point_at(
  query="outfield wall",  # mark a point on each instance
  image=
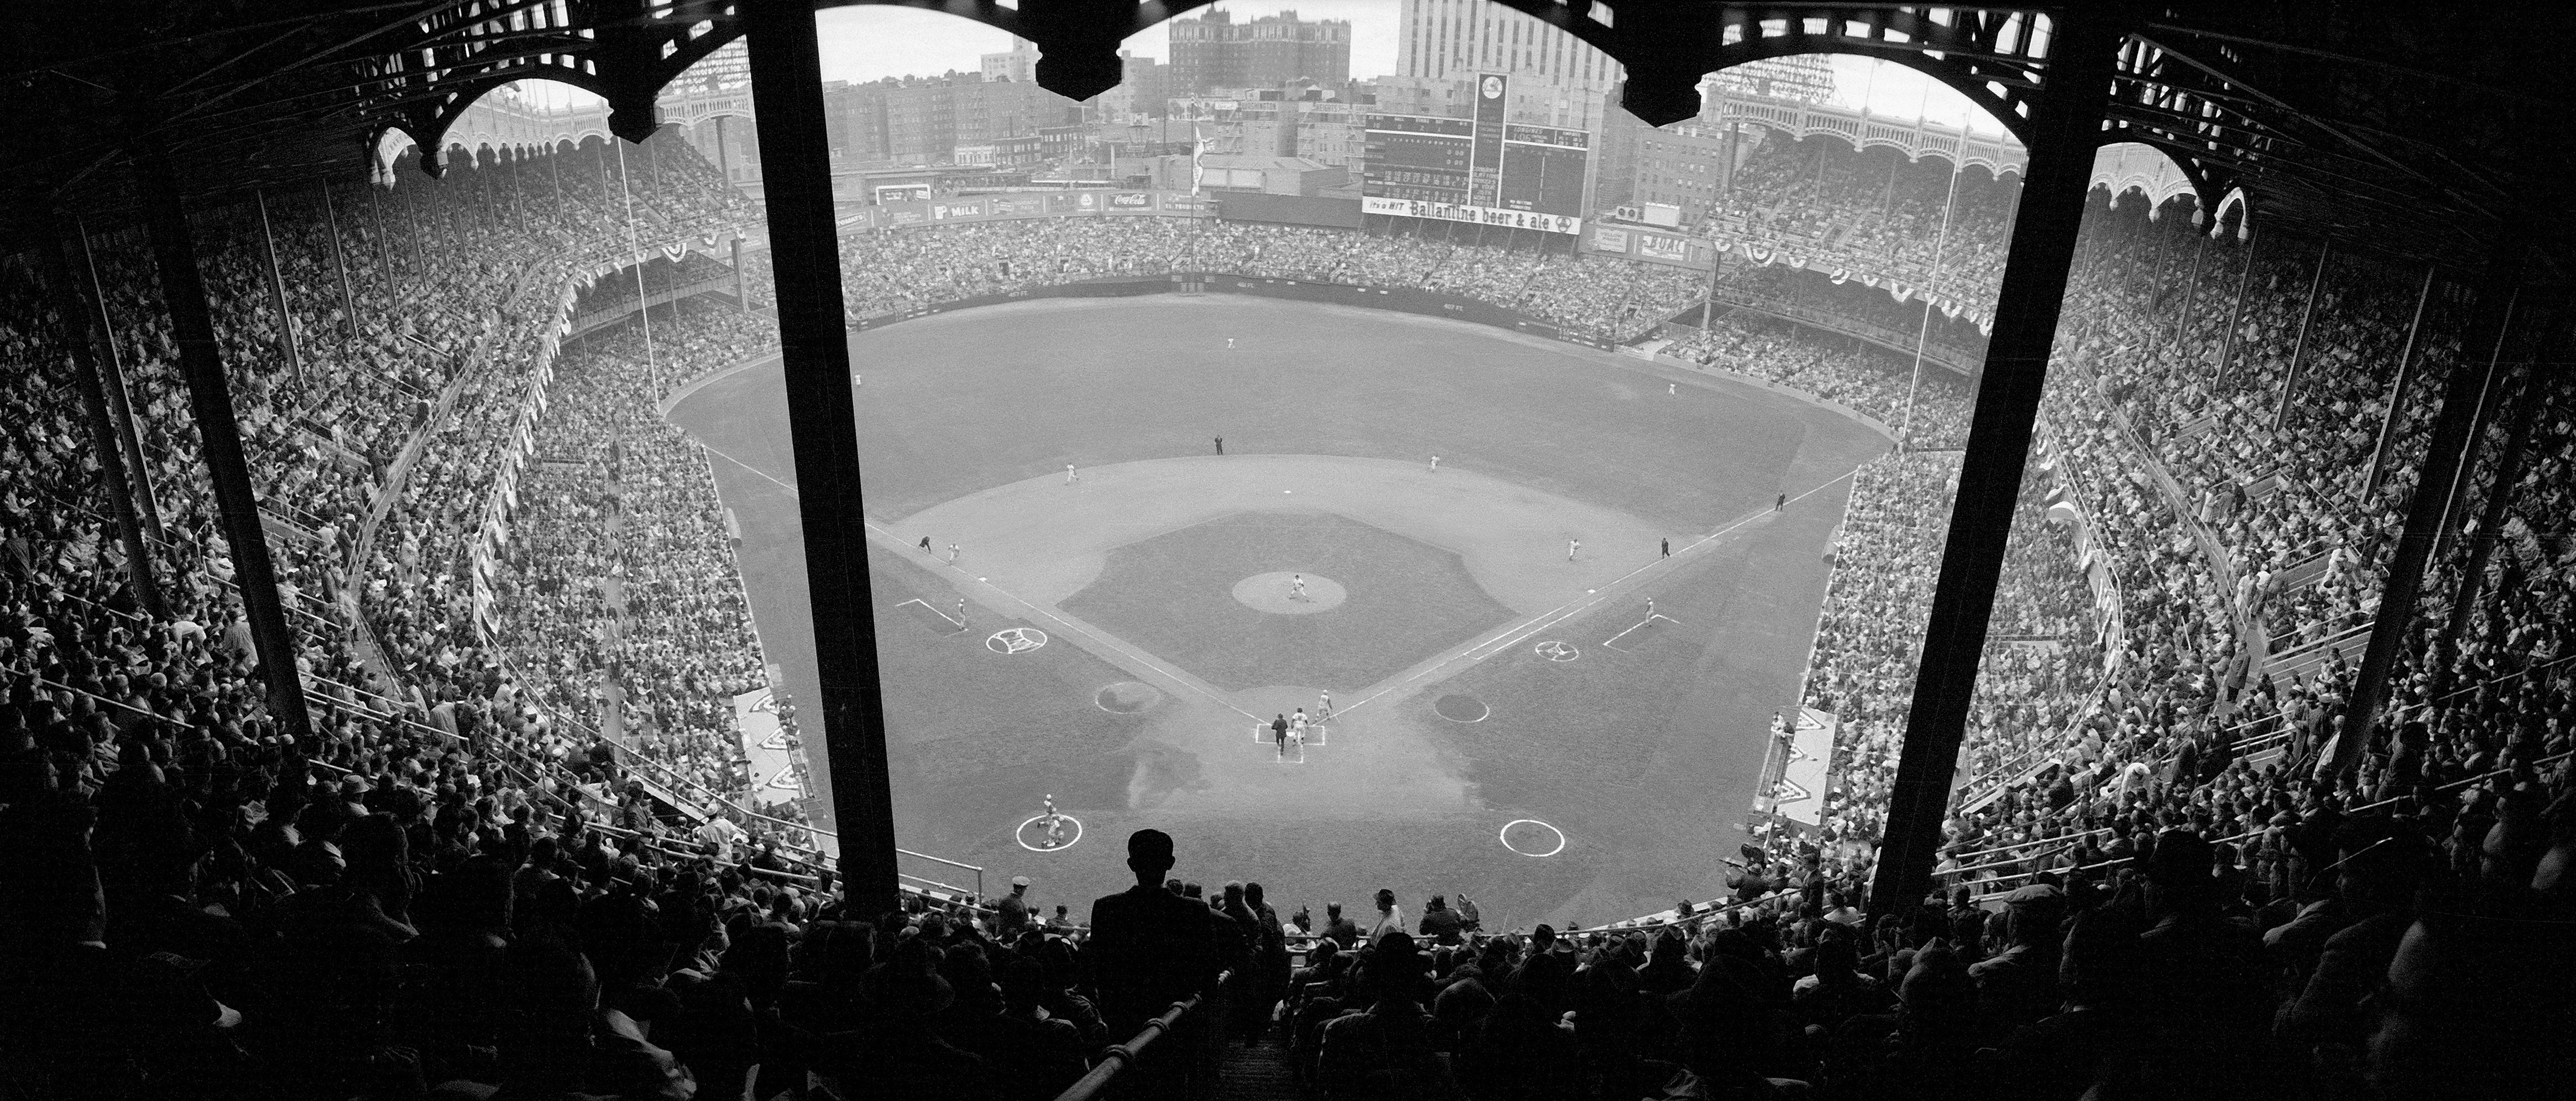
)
(1402, 299)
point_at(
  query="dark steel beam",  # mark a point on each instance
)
(2490, 322)
(192, 328)
(79, 319)
(2397, 390)
(796, 171)
(2299, 345)
(112, 374)
(2064, 125)
(2236, 311)
(2500, 492)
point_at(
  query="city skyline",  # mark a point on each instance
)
(866, 43)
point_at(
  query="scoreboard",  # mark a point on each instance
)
(1478, 169)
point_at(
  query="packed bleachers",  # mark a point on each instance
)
(464, 890)
(1873, 211)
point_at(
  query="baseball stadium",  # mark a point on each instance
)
(1470, 550)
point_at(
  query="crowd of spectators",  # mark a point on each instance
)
(1874, 211)
(621, 601)
(891, 271)
(1929, 408)
(421, 894)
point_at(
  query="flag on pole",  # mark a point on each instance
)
(1198, 157)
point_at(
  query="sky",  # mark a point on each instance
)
(866, 42)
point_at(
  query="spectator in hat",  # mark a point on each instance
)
(2018, 985)
(1011, 914)
(1440, 924)
(2376, 878)
(1338, 929)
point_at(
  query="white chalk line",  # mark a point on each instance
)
(1513, 636)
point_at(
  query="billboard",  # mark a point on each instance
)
(1804, 777)
(1484, 161)
(1474, 215)
(902, 193)
(764, 741)
(1672, 249)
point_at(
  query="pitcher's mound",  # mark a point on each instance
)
(1280, 594)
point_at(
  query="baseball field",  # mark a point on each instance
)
(1510, 721)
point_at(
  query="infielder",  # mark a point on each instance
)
(1296, 586)
(1571, 546)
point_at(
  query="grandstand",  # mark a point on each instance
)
(433, 672)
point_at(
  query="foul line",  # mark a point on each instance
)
(1513, 636)
(1114, 645)
(1172, 675)
(1509, 638)
(791, 490)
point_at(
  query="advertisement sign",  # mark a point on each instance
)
(1477, 215)
(1086, 201)
(1061, 201)
(764, 741)
(1659, 247)
(1606, 239)
(1803, 780)
(1131, 200)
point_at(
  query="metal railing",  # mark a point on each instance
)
(1119, 1057)
(2250, 834)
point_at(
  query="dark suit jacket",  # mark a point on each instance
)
(1148, 949)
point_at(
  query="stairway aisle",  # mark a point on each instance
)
(1255, 1074)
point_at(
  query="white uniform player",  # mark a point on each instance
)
(1297, 591)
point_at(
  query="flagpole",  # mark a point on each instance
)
(1940, 244)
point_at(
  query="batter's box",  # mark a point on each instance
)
(1314, 734)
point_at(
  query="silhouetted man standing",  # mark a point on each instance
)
(1149, 947)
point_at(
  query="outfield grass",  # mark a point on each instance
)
(1646, 760)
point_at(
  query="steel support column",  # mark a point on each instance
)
(277, 291)
(340, 262)
(2236, 309)
(741, 298)
(2508, 471)
(2490, 323)
(192, 328)
(2397, 391)
(77, 312)
(2065, 129)
(2299, 347)
(795, 164)
(112, 374)
(2190, 289)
